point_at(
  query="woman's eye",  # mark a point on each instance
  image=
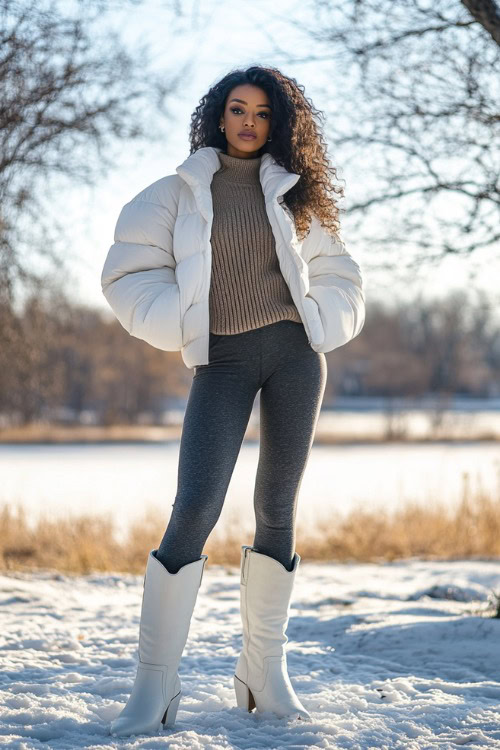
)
(237, 109)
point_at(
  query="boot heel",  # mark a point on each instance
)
(171, 712)
(244, 696)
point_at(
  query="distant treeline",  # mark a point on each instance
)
(56, 355)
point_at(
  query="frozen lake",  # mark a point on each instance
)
(125, 480)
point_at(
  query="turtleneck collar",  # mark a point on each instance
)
(235, 169)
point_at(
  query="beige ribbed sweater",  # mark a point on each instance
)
(247, 287)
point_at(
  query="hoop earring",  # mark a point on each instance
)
(269, 139)
(221, 127)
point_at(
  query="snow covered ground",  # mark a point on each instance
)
(397, 655)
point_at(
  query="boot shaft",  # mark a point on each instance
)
(266, 588)
(167, 606)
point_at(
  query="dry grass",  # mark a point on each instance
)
(88, 544)
(46, 433)
(470, 530)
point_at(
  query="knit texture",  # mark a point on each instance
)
(247, 287)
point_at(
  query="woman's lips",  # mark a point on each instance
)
(247, 136)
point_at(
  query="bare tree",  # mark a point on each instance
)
(58, 355)
(414, 88)
(71, 94)
(487, 13)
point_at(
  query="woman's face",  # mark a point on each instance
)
(248, 110)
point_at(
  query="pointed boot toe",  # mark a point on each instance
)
(167, 605)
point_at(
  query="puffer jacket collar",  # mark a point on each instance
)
(199, 168)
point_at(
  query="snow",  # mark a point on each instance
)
(387, 656)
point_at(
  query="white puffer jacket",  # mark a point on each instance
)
(156, 277)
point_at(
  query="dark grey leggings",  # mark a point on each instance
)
(277, 359)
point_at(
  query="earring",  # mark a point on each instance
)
(269, 139)
(221, 127)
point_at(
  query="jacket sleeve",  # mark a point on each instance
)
(336, 285)
(139, 277)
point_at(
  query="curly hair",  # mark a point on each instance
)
(297, 142)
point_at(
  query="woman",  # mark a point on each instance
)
(212, 262)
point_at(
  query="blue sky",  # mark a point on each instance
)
(226, 34)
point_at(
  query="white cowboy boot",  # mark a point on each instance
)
(261, 678)
(167, 606)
